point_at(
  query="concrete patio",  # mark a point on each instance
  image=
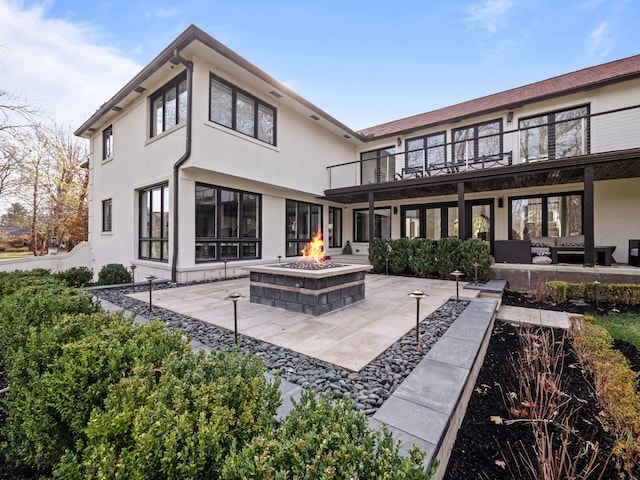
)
(350, 337)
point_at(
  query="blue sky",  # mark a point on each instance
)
(365, 63)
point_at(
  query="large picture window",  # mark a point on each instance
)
(169, 105)
(227, 224)
(553, 215)
(303, 219)
(153, 237)
(382, 224)
(554, 135)
(233, 108)
(473, 143)
(432, 221)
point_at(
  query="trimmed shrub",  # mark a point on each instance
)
(399, 256)
(36, 306)
(181, 421)
(114, 274)
(320, 439)
(620, 294)
(379, 251)
(447, 257)
(75, 276)
(62, 374)
(422, 262)
(11, 282)
(474, 250)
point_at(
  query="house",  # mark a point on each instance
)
(204, 163)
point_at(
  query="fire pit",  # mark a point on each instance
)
(312, 285)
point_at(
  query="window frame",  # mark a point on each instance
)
(107, 143)
(476, 141)
(545, 210)
(298, 238)
(424, 151)
(335, 240)
(551, 124)
(171, 87)
(165, 209)
(258, 107)
(422, 217)
(107, 215)
(356, 211)
(380, 153)
(241, 242)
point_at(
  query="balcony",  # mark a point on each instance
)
(577, 135)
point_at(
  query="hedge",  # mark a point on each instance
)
(620, 293)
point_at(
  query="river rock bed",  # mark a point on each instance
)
(368, 388)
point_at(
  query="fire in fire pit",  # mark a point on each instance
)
(313, 256)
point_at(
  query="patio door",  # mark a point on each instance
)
(480, 220)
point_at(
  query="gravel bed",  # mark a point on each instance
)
(368, 388)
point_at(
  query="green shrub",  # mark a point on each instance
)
(62, 374)
(75, 276)
(422, 262)
(472, 251)
(320, 439)
(181, 422)
(11, 282)
(37, 305)
(447, 257)
(379, 255)
(113, 274)
(621, 294)
(399, 255)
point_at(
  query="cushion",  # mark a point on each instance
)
(543, 241)
(541, 260)
(543, 253)
(571, 244)
(571, 241)
(634, 252)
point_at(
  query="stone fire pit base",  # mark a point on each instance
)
(313, 292)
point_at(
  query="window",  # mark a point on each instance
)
(240, 111)
(477, 141)
(378, 165)
(554, 215)
(554, 135)
(227, 224)
(107, 143)
(432, 221)
(169, 105)
(382, 224)
(334, 230)
(430, 148)
(153, 238)
(107, 212)
(303, 220)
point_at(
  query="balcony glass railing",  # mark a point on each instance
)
(535, 140)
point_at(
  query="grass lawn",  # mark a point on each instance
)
(622, 327)
(13, 255)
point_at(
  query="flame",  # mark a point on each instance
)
(314, 250)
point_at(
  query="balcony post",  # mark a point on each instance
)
(588, 227)
(372, 222)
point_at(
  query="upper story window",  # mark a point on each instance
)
(378, 165)
(107, 143)
(559, 134)
(169, 105)
(476, 142)
(426, 152)
(233, 108)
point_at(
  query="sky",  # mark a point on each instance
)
(364, 63)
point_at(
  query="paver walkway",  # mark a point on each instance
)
(350, 337)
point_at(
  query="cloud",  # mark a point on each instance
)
(489, 14)
(599, 42)
(56, 65)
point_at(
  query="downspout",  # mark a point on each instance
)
(176, 168)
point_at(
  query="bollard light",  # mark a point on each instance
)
(279, 258)
(457, 274)
(133, 277)
(234, 297)
(597, 291)
(150, 279)
(418, 295)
